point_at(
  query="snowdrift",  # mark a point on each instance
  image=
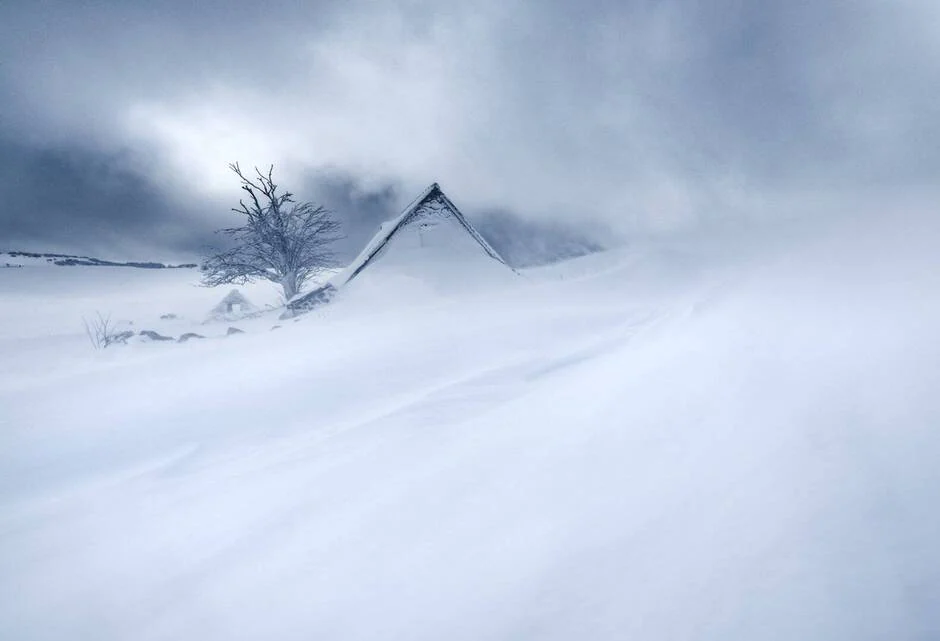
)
(670, 443)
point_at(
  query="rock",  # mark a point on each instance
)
(121, 337)
(233, 330)
(154, 336)
(275, 327)
(185, 337)
(168, 317)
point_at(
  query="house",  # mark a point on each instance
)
(232, 307)
(430, 239)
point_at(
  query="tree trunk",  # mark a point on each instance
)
(289, 284)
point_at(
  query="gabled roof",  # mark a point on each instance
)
(432, 197)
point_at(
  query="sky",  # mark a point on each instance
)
(634, 117)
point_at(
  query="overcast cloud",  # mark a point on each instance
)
(119, 118)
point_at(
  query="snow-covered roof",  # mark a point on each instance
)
(432, 197)
(433, 193)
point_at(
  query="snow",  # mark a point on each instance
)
(705, 439)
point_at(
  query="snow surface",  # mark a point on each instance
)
(692, 440)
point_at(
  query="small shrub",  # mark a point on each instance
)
(102, 333)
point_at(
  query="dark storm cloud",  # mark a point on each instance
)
(649, 116)
(526, 242)
(360, 209)
(73, 198)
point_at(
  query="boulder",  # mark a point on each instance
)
(154, 336)
(122, 337)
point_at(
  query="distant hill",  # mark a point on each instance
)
(528, 243)
(32, 259)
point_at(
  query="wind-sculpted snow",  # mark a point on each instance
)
(673, 442)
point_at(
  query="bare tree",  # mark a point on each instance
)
(282, 241)
(102, 333)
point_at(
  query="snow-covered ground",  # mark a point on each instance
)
(697, 440)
